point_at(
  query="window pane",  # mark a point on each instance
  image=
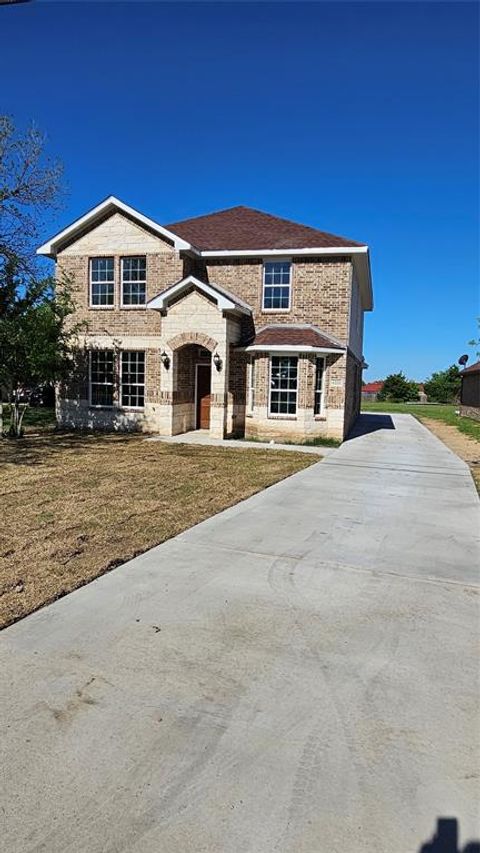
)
(101, 377)
(134, 271)
(102, 269)
(276, 285)
(319, 370)
(133, 378)
(102, 281)
(283, 381)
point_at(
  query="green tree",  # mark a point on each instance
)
(397, 389)
(37, 342)
(475, 342)
(444, 386)
(36, 335)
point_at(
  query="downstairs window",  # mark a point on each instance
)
(101, 377)
(132, 378)
(283, 385)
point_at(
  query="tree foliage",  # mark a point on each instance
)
(475, 342)
(36, 338)
(397, 388)
(37, 344)
(443, 386)
(30, 187)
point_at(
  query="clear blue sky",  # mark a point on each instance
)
(357, 118)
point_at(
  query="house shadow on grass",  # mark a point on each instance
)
(445, 839)
(368, 422)
(38, 449)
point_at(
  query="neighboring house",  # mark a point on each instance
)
(470, 392)
(371, 389)
(238, 322)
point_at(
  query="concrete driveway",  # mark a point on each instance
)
(297, 674)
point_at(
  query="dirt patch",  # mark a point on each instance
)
(467, 448)
(75, 506)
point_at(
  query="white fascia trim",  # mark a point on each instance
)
(161, 301)
(283, 253)
(49, 248)
(281, 348)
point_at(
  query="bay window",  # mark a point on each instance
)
(283, 385)
(319, 385)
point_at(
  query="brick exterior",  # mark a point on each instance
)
(322, 293)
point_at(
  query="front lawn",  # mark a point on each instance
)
(445, 413)
(75, 506)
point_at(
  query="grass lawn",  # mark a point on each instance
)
(75, 506)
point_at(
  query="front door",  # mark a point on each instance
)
(204, 376)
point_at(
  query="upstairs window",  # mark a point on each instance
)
(101, 377)
(283, 385)
(102, 282)
(319, 384)
(276, 285)
(134, 281)
(133, 379)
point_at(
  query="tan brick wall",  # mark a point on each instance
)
(321, 290)
(162, 270)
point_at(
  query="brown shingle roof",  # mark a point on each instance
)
(295, 336)
(241, 227)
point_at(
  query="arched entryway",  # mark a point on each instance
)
(192, 365)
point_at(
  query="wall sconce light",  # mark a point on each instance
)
(165, 359)
(217, 361)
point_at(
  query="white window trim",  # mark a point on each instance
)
(250, 386)
(141, 305)
(136, 384)
(91, 304)
(321, 413)
(277, 310)
(92, 405)
(275, 415)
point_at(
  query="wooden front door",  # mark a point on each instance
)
(204, 376)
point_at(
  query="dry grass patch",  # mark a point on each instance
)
(74, 506)
(463, 445)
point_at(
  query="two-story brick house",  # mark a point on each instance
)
(236, 322)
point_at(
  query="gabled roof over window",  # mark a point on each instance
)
(293, 338)
(98, 214)
(225, 300)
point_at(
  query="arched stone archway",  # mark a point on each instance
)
(197, 338)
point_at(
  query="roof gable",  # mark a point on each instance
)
(99, 214)
(225, 301)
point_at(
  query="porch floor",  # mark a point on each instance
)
(201, 436)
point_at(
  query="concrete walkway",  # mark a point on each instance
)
(296, 674)
(200, 436)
